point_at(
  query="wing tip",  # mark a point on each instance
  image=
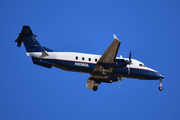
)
(115, 37)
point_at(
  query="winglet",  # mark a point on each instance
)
(115, 37)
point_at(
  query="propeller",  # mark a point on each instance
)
(129, 62)
(130, 57)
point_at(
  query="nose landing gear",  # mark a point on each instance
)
(160, 87)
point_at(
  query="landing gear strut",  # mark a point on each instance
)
(160, 87)
(103, 72)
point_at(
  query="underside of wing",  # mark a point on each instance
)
(95, 80)
(90, 84)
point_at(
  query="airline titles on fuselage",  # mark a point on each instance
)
(81, 64)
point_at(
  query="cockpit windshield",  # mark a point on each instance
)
(142, 65)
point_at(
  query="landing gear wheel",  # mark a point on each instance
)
(160, 82)
(160, 88)
(104, 73)
(95, 88)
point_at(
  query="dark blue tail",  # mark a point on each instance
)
(30, 42)
(32, 45)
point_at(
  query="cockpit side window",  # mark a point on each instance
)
(142, 65)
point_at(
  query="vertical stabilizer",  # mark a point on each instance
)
(29, 39)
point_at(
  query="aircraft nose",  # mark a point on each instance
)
(160, 76)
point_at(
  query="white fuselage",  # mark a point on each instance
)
(84, 60)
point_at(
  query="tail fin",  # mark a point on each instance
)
(25, 32)
(29, 39)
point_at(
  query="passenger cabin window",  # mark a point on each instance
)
(76, 57)
(96, 60)
(82, 58)
(89, 59)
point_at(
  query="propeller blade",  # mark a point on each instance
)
(129, 69)
(120, 79)
(130, 57)
(120, 83)
(129, 63)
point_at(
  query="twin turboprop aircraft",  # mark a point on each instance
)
(106, 68)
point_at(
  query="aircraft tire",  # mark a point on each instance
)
(160, 88)
(95, 88)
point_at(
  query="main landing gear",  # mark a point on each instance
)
(103, 72)
(95, 88)
(160, 87)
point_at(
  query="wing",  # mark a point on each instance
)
(95, 80)
(109, 55)
(107, 58)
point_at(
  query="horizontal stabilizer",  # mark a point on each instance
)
(19, 41)
(25, 32)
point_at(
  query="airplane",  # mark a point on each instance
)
(102, 68)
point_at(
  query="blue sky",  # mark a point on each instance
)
(149, 29)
